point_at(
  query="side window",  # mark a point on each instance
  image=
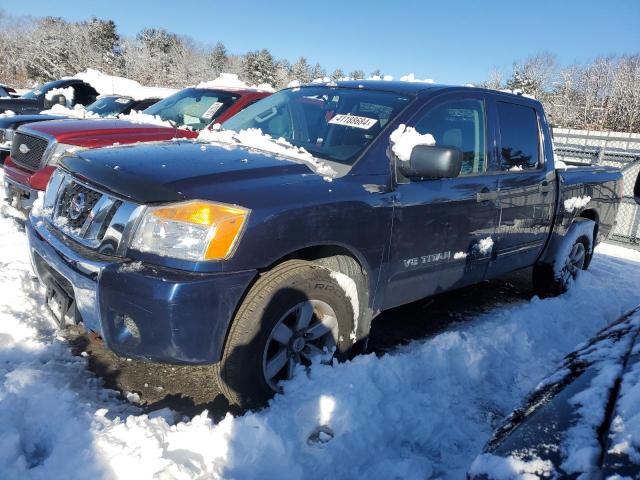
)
(460, 124)
(519, 137)
(84, 94)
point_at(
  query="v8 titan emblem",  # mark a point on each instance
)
(24, 149)
(425, 259)
(77, 205)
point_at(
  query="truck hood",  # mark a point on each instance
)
(102, 132)
(176, 170)
(20, 105)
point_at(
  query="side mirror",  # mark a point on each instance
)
(432, 162)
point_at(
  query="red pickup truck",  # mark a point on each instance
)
(37, 147)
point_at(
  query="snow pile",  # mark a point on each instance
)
(424, 410)
(112, 85)
(460, 255)
(625, 436)
(78, 111)
(404, 138)
(232, 81)
(511, 468)
(68, 94)
(7, 113)
(576, 203)
(254, 138)
(412, 78)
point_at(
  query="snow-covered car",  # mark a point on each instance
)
(7, 92)
(274, 241)
(104, 106)
(36, 147)
(583, 421)
(67, 91)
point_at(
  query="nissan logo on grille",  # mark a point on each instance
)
(77, 205)
(24, 149)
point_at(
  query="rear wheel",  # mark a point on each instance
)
(549, 281)
(294, 315)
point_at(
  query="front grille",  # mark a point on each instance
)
(76, 203)
(93, 219)
(27, 151)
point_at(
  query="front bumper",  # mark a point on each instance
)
(18, 193)
(141, 311)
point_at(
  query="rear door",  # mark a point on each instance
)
(439, 223)
(526, 183)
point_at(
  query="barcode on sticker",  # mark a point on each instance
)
(354, 121)
(212, 110)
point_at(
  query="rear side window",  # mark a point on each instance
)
(519, 137)
(460, 124)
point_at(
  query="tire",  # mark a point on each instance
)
(266, 330)
(548, 283)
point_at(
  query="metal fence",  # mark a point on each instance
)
(620, 150)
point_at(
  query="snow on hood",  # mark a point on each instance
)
(231, 80)
(254, 138)
(140, 117)
(76, 112)
(404, 138)
(112, 85)
(8, 113)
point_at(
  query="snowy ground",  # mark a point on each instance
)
(421, 411)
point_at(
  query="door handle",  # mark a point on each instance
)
(486, 195)
(545, 187)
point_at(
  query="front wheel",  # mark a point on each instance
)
(294, 315)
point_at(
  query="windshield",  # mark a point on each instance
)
(42, 89)
(331, 123)
(110, 106)
(193, 107)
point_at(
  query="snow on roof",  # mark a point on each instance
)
(232, 81)
(412, 78)
(112, 85)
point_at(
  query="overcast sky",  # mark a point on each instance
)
(452, 42)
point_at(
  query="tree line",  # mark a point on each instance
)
(603, 94)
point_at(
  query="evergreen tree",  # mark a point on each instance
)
(337, 74)
(260, 67)
(218, 59)
(301, 71)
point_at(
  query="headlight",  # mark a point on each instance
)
(6, 136)
(60, 150)
(193, 230)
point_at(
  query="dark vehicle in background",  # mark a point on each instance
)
(37, 147)
(7, 92)
(104, 106)
(601, 373)
(38, 99)
(265, 257)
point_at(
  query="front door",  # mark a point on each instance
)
(440, 224)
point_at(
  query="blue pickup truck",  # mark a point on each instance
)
(325, 205)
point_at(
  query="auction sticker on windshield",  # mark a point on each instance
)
(353, 121)
(212, 110)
